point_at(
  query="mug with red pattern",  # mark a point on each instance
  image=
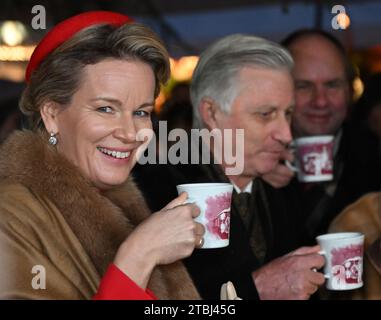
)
(343, 254)
(313, 158)
(214, 201)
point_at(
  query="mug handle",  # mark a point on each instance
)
(291, 166)
(189, 200)
(322, 253)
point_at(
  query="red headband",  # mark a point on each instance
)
(66, 29)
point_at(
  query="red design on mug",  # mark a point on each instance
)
(316, 158)
(346, 265)
(218, 215)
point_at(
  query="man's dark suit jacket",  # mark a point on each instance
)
(210, 268)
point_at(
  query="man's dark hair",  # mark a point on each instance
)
(304, 33)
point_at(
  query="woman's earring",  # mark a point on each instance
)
(53, 139)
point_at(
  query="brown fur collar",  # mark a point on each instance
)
(374, 254)
(100, 221)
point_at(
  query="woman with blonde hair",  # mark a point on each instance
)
(72, 223)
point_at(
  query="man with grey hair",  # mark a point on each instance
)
(244, 82)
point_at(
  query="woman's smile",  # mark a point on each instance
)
(117, 155)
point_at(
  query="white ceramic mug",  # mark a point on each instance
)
(343, 254)
(313, 158)
(214, 201)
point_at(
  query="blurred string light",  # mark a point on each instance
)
(358, 88)
(357, 83)
(12, 72)
(181, 71)
(12, 33)
(160, 100)
(343, 20)
(17, 53)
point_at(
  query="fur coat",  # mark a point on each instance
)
(363, 216)
(51, 216)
